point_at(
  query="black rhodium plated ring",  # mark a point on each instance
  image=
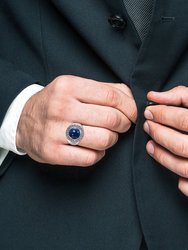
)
(74, 133)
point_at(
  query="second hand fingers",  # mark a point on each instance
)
(176, 117)
(170, 139)
(174, 163)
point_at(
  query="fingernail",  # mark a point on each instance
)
(150, 103)
(148, 115)
(150, 148)
(146, 127)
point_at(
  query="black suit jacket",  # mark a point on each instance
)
(126, 196)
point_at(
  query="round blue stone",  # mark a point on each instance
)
(74, 133)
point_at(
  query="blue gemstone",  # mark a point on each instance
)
(74, 133)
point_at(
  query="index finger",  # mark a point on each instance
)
(105, 94)
(177, 96)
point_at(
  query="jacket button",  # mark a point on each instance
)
(117, 22)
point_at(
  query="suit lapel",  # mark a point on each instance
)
(118, 49)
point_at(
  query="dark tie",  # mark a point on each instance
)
(140, 12)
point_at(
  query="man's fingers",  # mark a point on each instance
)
(99, 93)
(90, 91)
(131, 112)
(97, 116)
(94, 138)
(175, 142)
(183, 186)
(68, 155)
(167, 159)
(98, 138)
(169, 147)
(174, 163)
(112, 97)
(175, 117)
(177, 96)
(77, 156)
(122, 87)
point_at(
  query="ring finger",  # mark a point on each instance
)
(94, 137)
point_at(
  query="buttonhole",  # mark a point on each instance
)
(167, 19)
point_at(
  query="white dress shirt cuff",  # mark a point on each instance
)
(11, 119)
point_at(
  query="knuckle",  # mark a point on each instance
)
(126, 127)
(183, 123)
(161, 115)
(122, 87)
(160, 157)
(90, 159)
(180, 148)
(112, 120)
(107, 140)
(134, 114)
(154, 133)
(112, 97)
(184, 171)
(57, 82)
(180, 88)
(58, 106)
(58, 79)
(62, 83)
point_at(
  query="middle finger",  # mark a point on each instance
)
(98, 116)
(175, 117)
(172, 140)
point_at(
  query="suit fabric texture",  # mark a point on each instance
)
(126, 197)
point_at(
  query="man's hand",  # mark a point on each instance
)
(104, 110)
(167, 124)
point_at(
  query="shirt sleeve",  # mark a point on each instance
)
(11, 119)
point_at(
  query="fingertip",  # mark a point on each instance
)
(150, 94)
(148, 114)
(183, 186)
(146, 127)
(150, 147)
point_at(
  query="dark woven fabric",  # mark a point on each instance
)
(140, 12)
